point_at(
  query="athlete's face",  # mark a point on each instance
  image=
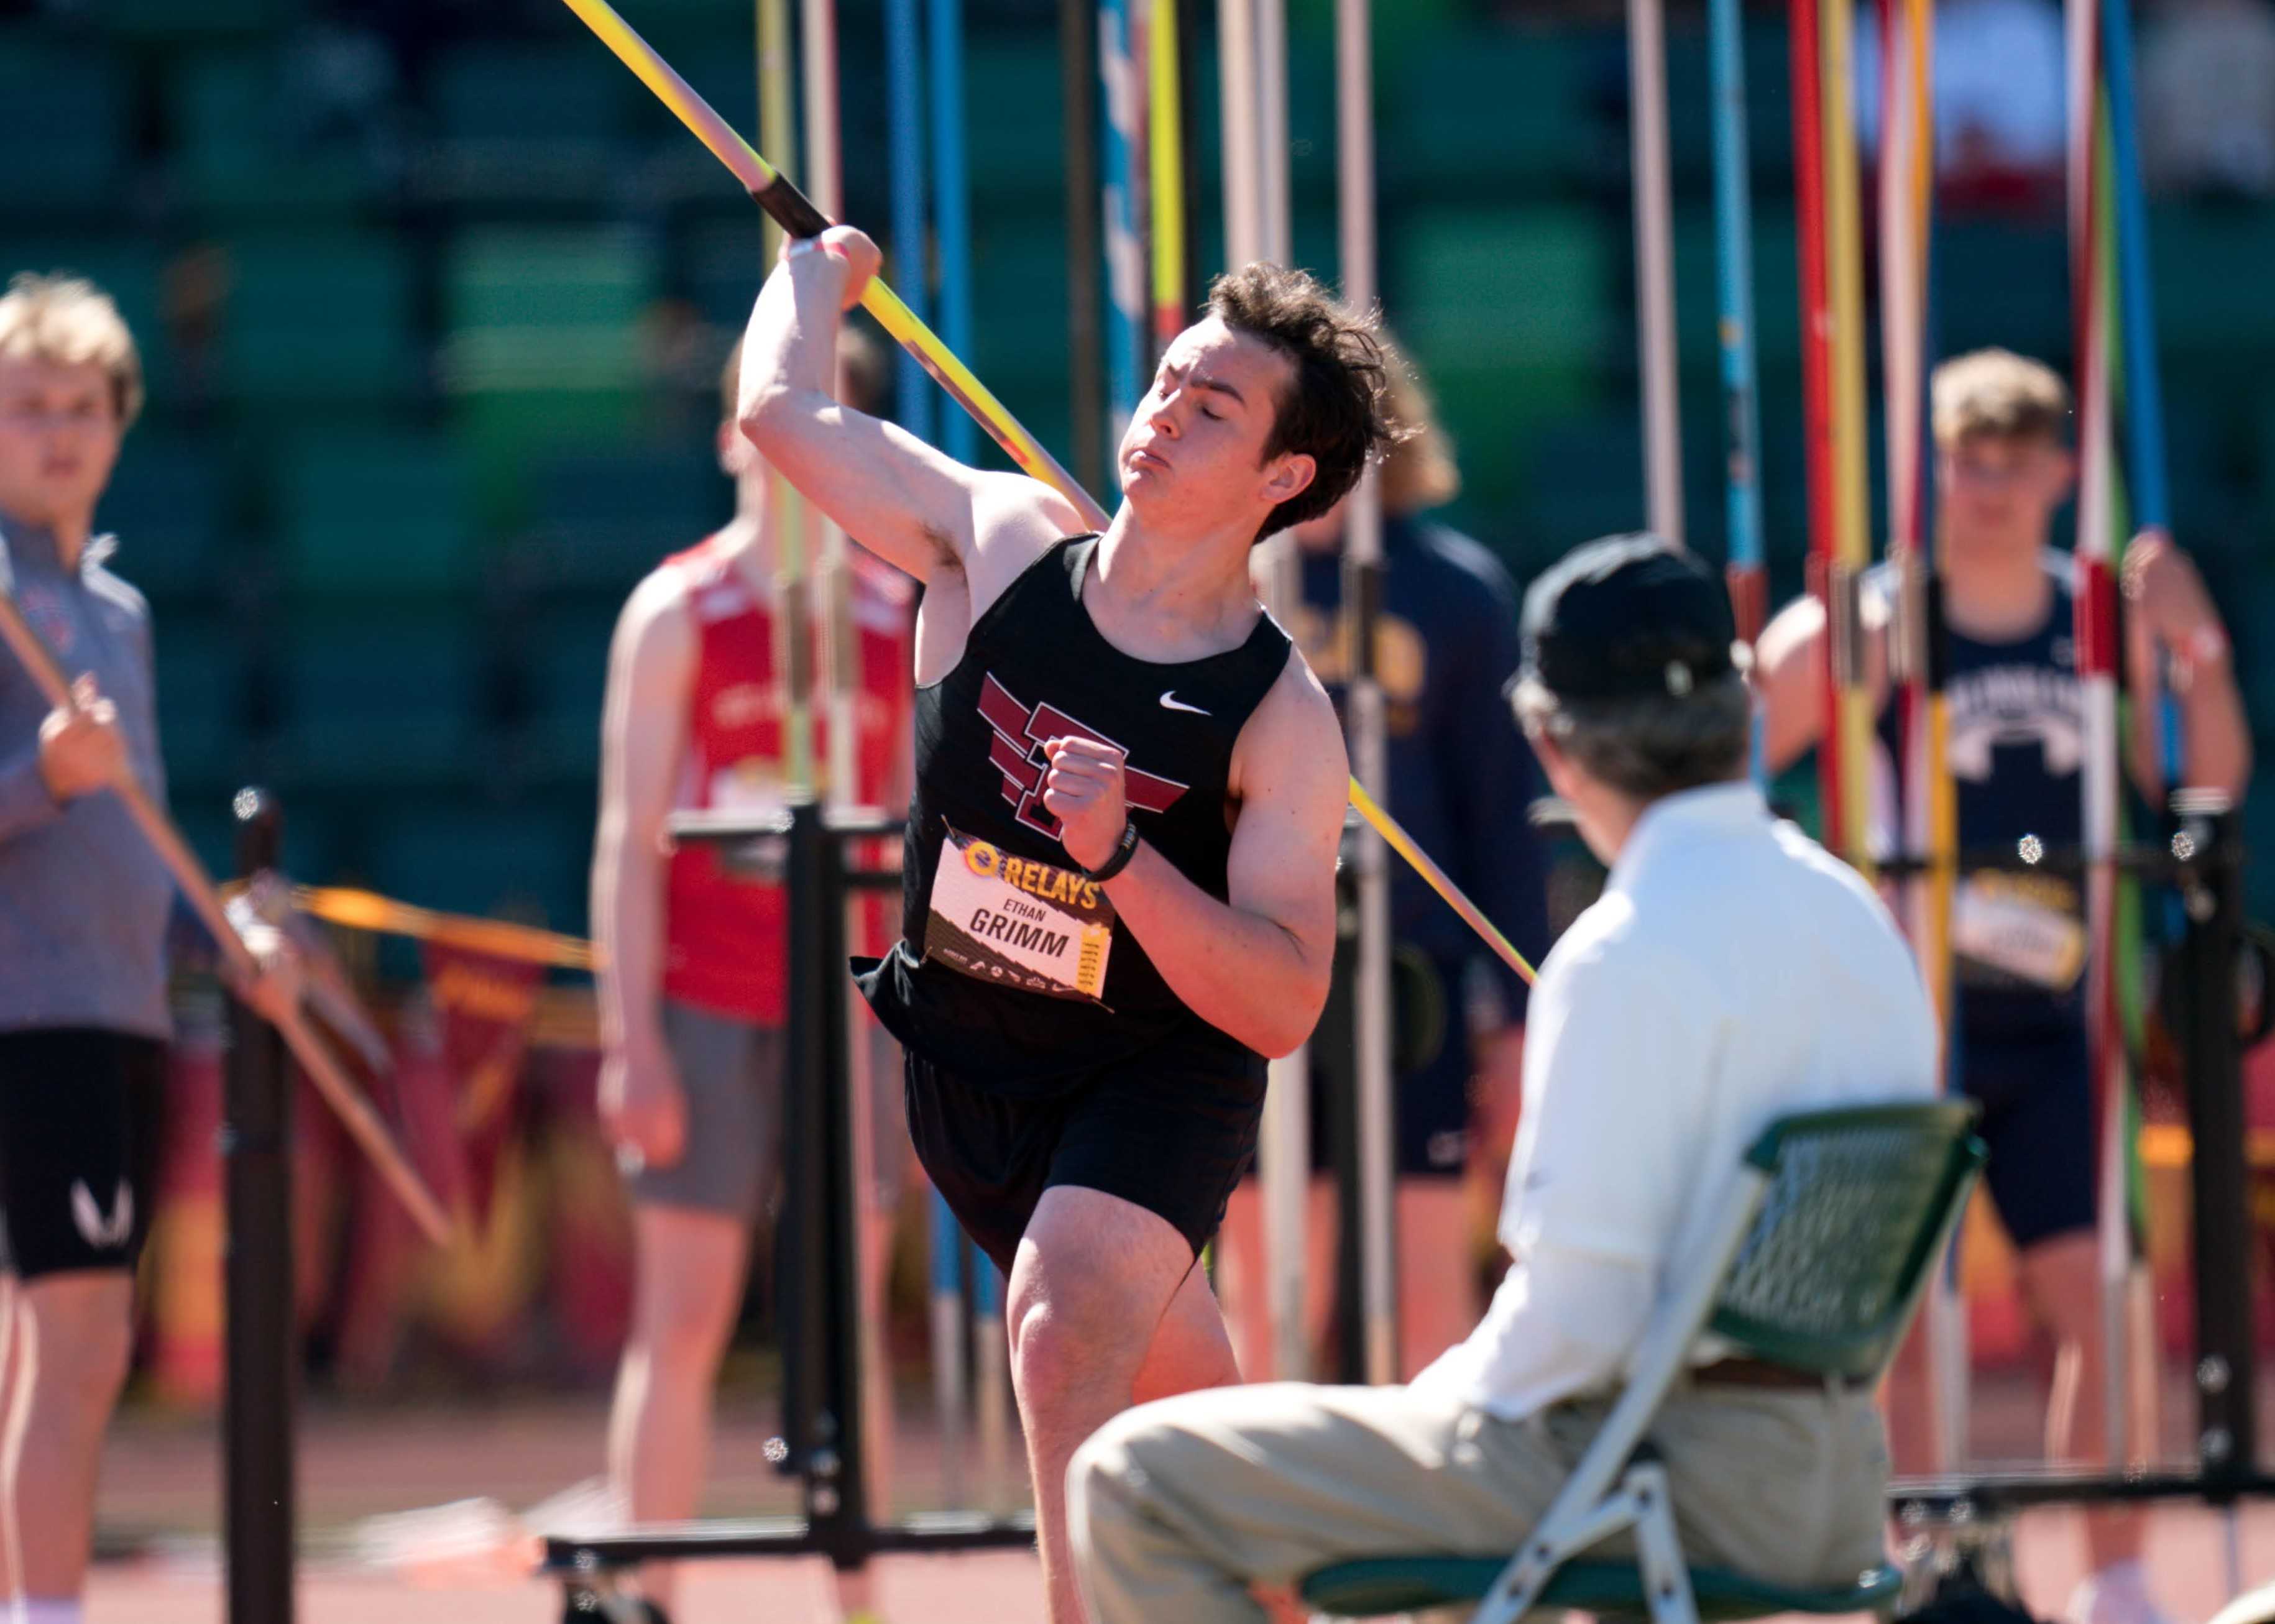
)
(59, 437)
(1196, 445)
(1997, 493)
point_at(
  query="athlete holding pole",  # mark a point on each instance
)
(1120, 856)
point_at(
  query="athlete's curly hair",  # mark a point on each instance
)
(1335, 409)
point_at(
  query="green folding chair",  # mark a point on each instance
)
(1838, 1219)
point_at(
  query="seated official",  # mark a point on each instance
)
(1733, 972)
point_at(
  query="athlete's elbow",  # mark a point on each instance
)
(1287, 1026)
(768, 413)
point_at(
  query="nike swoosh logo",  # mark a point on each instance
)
(1170, 702)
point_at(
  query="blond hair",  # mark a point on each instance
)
(2000, 394)
(1418, 470)
(69, 321)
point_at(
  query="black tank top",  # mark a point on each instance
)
(1034, 666)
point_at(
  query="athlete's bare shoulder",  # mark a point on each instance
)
(1015, 520)
(1292, 740)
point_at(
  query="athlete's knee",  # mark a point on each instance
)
(1062, 1351)
(685, 1327)
(83, 1338)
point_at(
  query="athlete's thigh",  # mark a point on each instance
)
(1098, 1265)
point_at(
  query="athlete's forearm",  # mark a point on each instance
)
(1248, 975)
(2216, 737)
(628, 929)
(789, 348)
(2218, 740)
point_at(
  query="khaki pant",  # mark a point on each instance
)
(1176, 1507)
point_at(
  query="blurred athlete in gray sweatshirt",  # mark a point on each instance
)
(84, 908)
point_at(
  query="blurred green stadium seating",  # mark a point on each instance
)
(64, 126)
(375, 518)
(527, 861)
(544, 345)
(1510, 314)
(202, 675)
(382, 702)
(564, 673)
(602, 518)
(167, 505)
(320, 318)
(1011, 87)
(517, 127)
(247, 152)
(1541, 134)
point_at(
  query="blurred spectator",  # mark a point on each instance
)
(2208, 97)
(1460, 779)
(2000, 133)
(693, 982)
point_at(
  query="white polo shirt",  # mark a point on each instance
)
(1733, 971)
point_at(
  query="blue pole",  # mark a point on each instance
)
(2144, 392)
(904, 102)
(1734, 276)
(2144, 397)
(952, 206)
(1119, 123)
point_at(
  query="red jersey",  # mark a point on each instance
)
(723, 934)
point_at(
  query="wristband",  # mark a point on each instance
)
(1124, 849)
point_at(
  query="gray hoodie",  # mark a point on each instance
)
(84, 902)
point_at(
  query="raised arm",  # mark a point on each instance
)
(1255, 965)
(1788, 675)
(2172, 612)
(897, 496)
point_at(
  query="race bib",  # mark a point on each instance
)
(2024, 931)
(1016, 922)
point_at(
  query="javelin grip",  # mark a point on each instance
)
(792, 209)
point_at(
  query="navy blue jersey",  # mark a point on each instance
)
(1461, 774)
(2017, 749)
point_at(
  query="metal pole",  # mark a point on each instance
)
(2096, 614)
(1284, 1153)
(1362, 585)
(1654, 238)
(262, 1380)
(1236, 31)
(1275, 211)
(2227, 1433)
(840, 1293)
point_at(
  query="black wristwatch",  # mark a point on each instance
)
(1124, 849)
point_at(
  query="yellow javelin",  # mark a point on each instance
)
(773, 190)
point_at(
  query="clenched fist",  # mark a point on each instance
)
(1084, 791)
(81, 750)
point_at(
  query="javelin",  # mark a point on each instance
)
(362, 1124)
(775, 193)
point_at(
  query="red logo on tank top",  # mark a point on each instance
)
(1016, 750)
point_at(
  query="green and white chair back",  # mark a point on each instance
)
(1818, 1263)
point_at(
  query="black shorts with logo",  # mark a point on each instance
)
(1162, 1136)
(78, 1147)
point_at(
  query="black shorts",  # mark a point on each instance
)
(2038, 1124)
(1174, 1141)
(78, 1147)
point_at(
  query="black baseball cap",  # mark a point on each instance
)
(1625, 617)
